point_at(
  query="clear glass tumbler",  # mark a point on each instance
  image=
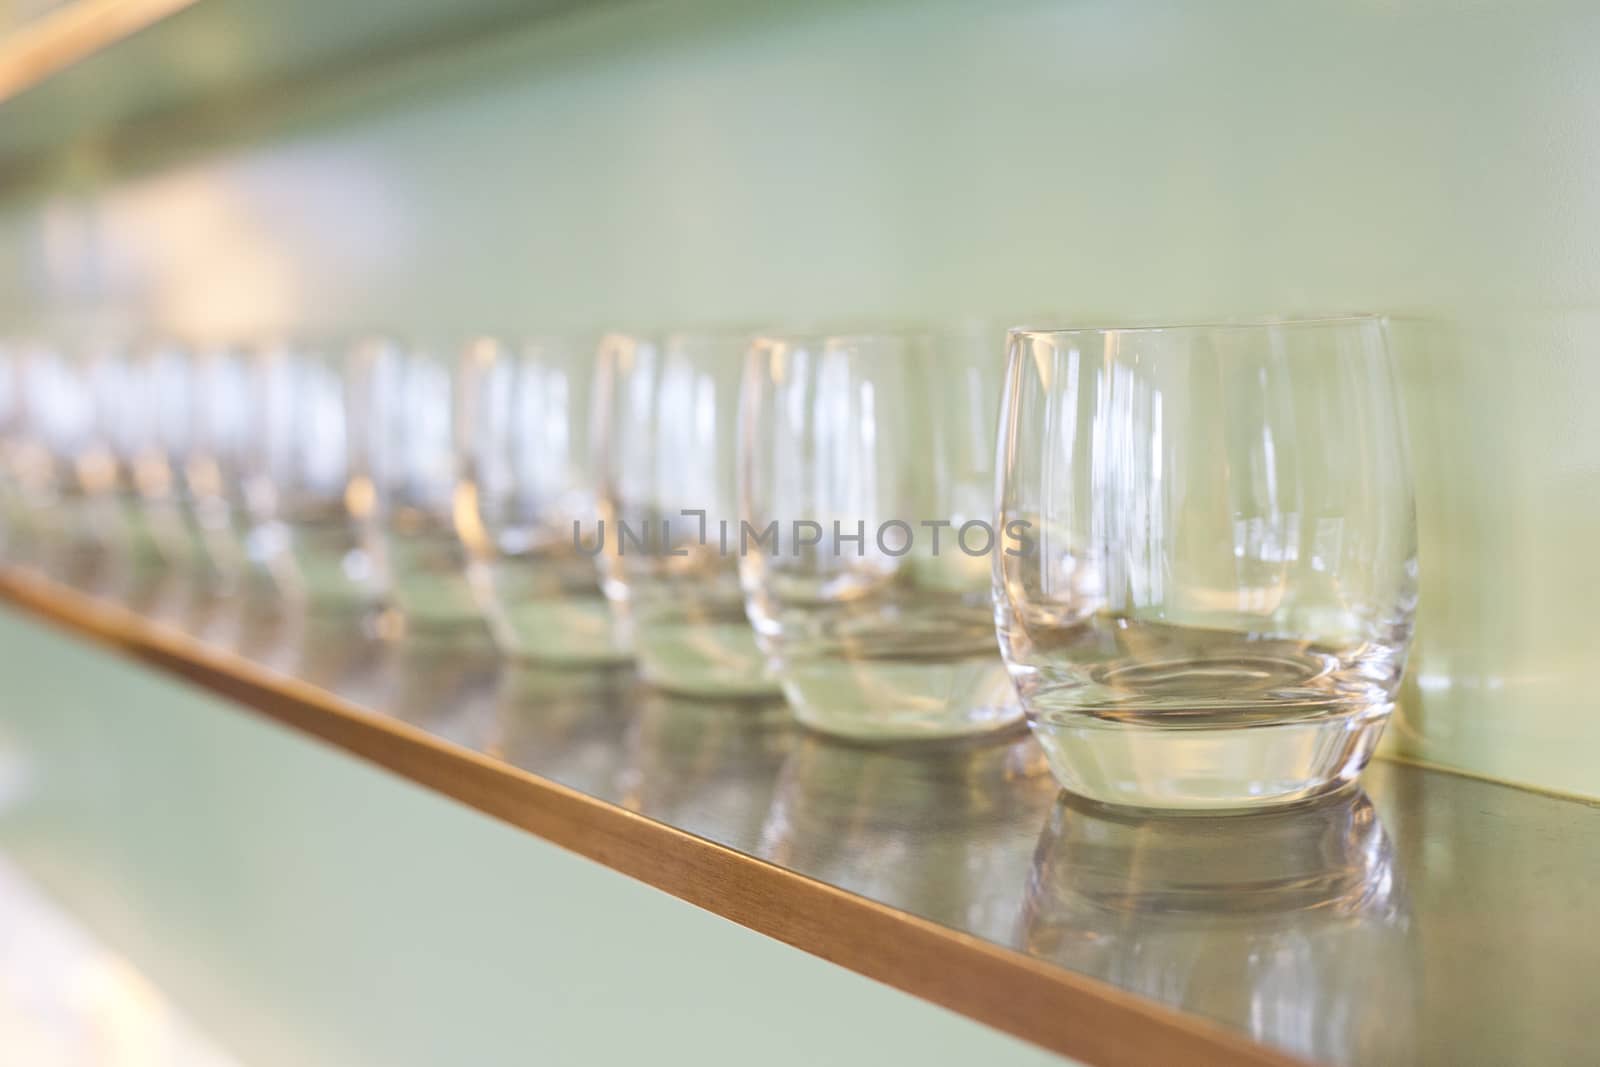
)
(670, 505)
(527, 485)
(217, 462)
(52, 437)
(866, 524)
(1214, 600)
(304, 508)
(13, 533)
(163, 382)
(149, 553)
(403, 417)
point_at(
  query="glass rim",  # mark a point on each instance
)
(842, 337)
(1310, 321)
(688, 331)
(706, 335)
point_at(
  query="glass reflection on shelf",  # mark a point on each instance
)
(932, 826)
(335, 651)
(442, 684)
(1292, 923)
(707, 766)
(566, 724)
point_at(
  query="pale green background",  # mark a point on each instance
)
(705, 160)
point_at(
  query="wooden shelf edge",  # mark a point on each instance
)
(1056, 1009)
(51, 43)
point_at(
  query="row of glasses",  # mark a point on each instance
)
(71, 470)
(1186, 555)
(156, 458)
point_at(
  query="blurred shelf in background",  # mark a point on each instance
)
(73, 76)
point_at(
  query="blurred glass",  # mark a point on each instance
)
(403, 423)
(124, 425)
(12, 529)
(217, 463)
(1214, 603)
(449, 688)
(866, 501)
(162, 382)
(527, 483)
(304, 508)
(670, 508)
(52, 440)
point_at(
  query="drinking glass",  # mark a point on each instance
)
(670, 505)
(12, 529)
(1215, 597)
(527, 484)
(161, 431)
(25, 459)
(51, 433)
(148, 552)
(866, 509)
(403, 417)
(217, 463)
(304, 509)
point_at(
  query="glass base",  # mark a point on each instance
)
(717, 660)
(892, 700)
(564, 632)
(466, 630)
(1211, 765)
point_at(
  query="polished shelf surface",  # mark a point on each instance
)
(1429, 918)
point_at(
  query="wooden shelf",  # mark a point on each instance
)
(1360, 931)
(98, 78)
(39, 50)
